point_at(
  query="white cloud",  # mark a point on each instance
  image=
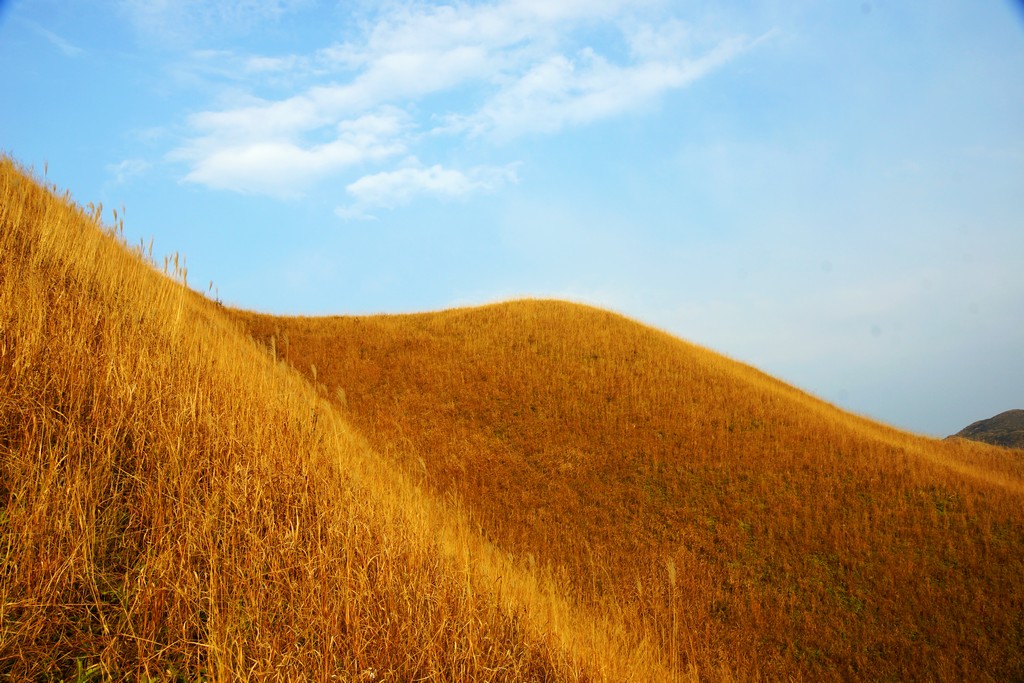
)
(261, 120)
(499, 70)
(389, 189)
(282, 168)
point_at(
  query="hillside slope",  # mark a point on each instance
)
(739, 523)
(176, 505)
(1005, 429)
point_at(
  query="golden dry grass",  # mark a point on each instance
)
(746, 528)
(527, 491)
(175, 504)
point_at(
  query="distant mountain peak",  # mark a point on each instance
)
(1005, 429)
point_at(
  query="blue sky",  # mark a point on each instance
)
(830, 191)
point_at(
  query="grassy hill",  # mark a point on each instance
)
(737, 522)
(177, 505)
(527, 491)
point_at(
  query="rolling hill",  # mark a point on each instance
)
(1005, 429)
(741, 524)
(532, 490)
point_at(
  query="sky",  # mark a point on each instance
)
(830, 191)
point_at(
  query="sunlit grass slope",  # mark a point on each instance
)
(738, 523)
(174, 504)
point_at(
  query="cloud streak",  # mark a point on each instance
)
(125, 170)
(183, 22)
(562, 92)
(66, 47)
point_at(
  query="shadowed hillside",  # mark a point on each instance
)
(1005, 429)
(739, 523)
(176, 505)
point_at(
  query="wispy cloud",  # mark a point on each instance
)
(389, 189)
(66, 47)
(495, 71)
(183, 22)
(563, 91)
(125, 170)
